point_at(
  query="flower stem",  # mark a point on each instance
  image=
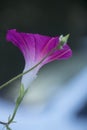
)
(16, 107)
(18, 102)
(16, 77)
(21, 74)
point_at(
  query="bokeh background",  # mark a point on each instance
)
(58, 97)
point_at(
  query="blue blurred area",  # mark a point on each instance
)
(59, 113)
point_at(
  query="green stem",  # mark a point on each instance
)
(16, 108)
(20, 75)
(13, 115)
(8, 128)
(6, 124)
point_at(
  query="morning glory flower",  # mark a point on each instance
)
(35, 47)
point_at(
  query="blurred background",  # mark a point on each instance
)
(57, 99)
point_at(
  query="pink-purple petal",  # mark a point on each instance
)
(61, 54)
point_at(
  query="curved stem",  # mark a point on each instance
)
(3, 123)
(20, 75)
(16, 107)
(6, 124)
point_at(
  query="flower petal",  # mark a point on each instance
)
(31, 45)
(61, 54)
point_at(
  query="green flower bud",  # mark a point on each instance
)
(63, 41)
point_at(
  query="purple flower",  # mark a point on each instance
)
(34, 48)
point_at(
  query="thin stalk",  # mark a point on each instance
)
(3, 123)
(16, 108)
(6, 124)
(20, 75)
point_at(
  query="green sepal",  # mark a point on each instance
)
(63, 40)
